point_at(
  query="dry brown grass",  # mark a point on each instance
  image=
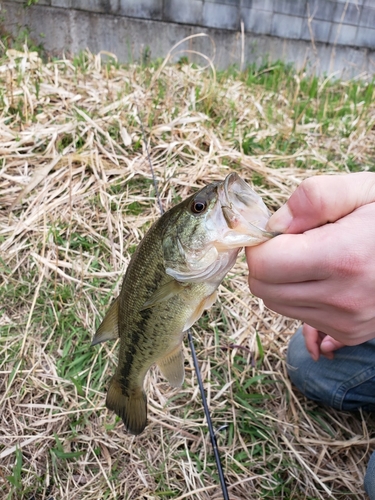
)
(75, 198)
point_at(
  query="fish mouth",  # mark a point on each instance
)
(243, 209)
(235, 188)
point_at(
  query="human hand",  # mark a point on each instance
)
(326, 275)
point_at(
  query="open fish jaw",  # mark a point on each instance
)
(245, 213)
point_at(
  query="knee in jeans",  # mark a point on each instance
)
(313, 378)
(370, 478)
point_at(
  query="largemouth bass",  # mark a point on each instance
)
(171, 279)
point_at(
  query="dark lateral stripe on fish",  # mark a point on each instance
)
(131, 353)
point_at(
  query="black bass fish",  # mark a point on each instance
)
(171, 279)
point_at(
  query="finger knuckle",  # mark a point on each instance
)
(350, 265)
(312, 195)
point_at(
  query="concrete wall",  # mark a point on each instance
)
(327, 35)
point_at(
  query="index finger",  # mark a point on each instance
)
(313, 339)
(322, 199)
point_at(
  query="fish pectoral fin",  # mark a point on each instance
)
(108, 329)
(198, 311)
(163, 293)
(210, 300)
(131, 407)
(172, 366)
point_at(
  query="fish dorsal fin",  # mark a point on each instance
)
(172, 366)
(163, 293)
(108, 329)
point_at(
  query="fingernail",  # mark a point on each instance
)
(280, 220)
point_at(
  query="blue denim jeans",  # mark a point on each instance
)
(346, 383)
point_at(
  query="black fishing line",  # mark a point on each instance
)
(191, 343)
(208, 418)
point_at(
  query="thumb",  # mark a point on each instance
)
(322, 199)
(329, 345)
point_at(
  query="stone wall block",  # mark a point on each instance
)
(367, 19)
(221, 16)
(236, 3)
(66, 4)
(146, 9)
(347, 13)
(343, 34)
(365, 37)
(181, 11)
(318, 31)
(247, 4)
(103, 6)
(257, 21)
(291, 7)
(286, 26)
(320, 9)
(268, 5)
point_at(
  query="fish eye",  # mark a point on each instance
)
(197, 207)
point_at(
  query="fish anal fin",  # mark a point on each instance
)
(108, 329)
(163, 293)
(198, 311)
(172, 366)
(131, 407)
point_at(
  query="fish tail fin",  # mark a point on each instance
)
(132, 407)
